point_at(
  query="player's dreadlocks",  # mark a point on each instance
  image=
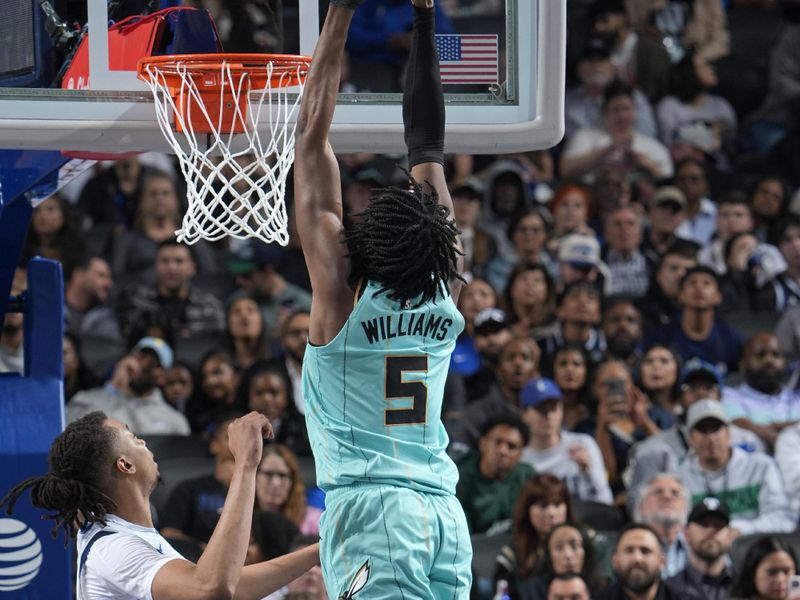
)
(72, 488)
(405, 241)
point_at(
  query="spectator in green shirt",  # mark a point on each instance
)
(490, 480)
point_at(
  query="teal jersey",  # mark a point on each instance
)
(373, 395)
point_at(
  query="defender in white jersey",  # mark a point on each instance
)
(383, 326)
(98, 486)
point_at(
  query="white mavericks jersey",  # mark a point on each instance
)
(120, 560)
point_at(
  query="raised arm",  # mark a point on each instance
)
(318, 196)
(217, 573)
(424, 113)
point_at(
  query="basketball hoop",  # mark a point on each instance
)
(235, 180)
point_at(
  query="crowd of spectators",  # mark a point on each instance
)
(632, 318)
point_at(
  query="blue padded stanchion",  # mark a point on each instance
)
(33, 566)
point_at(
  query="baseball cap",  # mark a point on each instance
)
(539, 390)
(465, 359)
(159, 346)
(379, 172)
(595, 48)
(266, 254)
(709, 506)
(260, 255)
(706, 409)
(605, 7)
(579, 250)
(371, 176)
(697, 368)
(669, 194)
(470, 187)
(490, 320)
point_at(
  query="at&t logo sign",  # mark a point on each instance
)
(20, 555)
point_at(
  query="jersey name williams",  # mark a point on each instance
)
(404, 324)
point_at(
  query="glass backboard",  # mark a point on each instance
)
(502, 63)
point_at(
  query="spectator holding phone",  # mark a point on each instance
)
(624, 416)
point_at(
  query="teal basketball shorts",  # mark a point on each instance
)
(386, 542)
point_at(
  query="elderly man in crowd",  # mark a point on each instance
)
(663, 505)
(624, 234)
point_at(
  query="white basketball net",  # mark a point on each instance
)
(238, 194)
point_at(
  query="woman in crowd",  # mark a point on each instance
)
(689, 101)
(476, 296)
(571, 373)
(624, 417)
(506, 195)
(528, 233)
(769, 202)
(568, 550)
(530, 300)
(179, 385)
(659, 372)
(542, 504)
(280, 487)
(216, 390)
(766, 570)
(245, 335)
(77, 376)
(571, 206)
(264, 389)
(52, 234)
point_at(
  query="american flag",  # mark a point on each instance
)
(467, 58)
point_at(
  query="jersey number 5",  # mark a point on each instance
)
(396, 388)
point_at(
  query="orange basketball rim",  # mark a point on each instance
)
(210, 91)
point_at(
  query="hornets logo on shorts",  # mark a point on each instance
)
(358, 582)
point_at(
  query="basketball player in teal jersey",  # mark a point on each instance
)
(383, 326)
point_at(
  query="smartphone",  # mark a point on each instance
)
(616, 396)
(794, 587)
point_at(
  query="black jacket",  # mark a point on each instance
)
(615, 592)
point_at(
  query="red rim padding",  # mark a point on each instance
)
(287, 69)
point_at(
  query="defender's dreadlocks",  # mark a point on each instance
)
(73, 485)
(406, 242)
